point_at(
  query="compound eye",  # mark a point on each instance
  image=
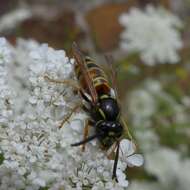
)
(114, 125)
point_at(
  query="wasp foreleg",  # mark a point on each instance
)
(85, 134)
(111, 151)
(88, 123)
(114, 175)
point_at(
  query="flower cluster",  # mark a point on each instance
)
(168, 166)
(152, 107)
(13, 18)
(5, 93)
(150, 100)
(151, 33)
(35, 153)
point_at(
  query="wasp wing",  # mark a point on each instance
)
(81, 62)
(127, 133)
(112, 75)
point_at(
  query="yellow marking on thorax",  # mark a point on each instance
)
(104, 96)
(102, 113)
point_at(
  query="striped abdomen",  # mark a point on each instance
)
(97, 75)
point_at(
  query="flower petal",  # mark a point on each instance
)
(127, 147)
(135, 160)
(123, 182)
(122, 179)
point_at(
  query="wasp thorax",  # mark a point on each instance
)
(110, 108)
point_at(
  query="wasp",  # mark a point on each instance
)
(100, 103)
(103, 106)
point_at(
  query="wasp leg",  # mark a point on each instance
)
(71, 83)
(66, 119)
(114, 175)
(85, 108)
(111, 151)
(88, 124)
(67, 82)
(85, 134)
(126, 129)
(52, 101)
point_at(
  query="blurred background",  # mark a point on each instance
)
(149, 43)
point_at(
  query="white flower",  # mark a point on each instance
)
(5, 92)
(147, 138)
(13, 18)
(37, 154)
(141, 105)
(152, 33)
(4, 52)
(127, 150)
(171, 169)
(122, 179)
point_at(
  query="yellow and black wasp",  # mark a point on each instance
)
(103, 107)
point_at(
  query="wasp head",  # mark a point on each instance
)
(109, 132)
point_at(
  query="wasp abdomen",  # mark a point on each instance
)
(97, 75)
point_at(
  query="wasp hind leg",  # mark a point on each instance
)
(68, 82)
(71, 83)
(67, 117)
